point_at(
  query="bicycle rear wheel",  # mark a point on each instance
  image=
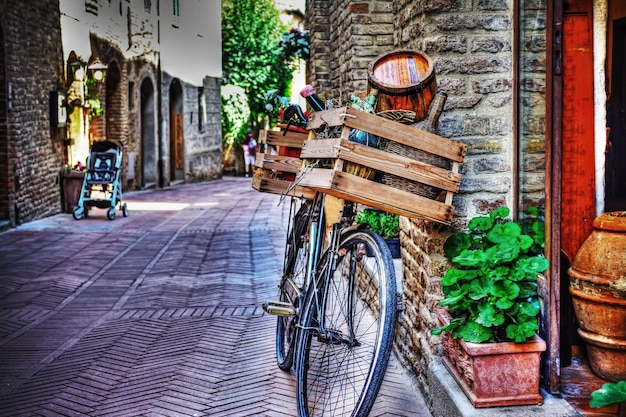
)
(292, 284)
(341, 362)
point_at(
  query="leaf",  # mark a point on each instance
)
(505, 289)
(479, 289)
(500, 212)
(520, 333)
(471, 258)
(488, 315)
(525, 242)
(481, 223)
(474, 333)
(454, 301)
(535, 264)
(529, 308)
(609, 394)
(454, 276)
(499, 273)
(456, 244)
(502, 253)
(527, 289)
(505, 233)
(504, 303)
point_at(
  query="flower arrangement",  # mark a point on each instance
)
(275, 104)
(78, 166)
(295, 44)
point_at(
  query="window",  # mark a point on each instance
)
(201, 109)
(175, 14)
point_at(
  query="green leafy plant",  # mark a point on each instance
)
(385, 224)
(609, 394)
(492, 289)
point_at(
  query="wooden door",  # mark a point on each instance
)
(578, 166)
(577, 159)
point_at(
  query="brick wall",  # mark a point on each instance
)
(31, 153)
(471, 44)
(345, 37)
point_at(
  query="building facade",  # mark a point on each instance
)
(31, 145)
(534, 91)
(144, 73)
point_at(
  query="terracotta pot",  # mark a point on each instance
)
(598, 288)
(494, 374)
(71, 187)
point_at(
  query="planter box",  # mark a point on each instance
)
(71, 187)
(415, 173)
(494, 374)
(278, 162)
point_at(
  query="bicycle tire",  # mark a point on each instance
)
(336, 374)
(291, 285)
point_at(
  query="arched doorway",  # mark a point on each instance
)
(113, 102)
(177, 154)
(149, 150)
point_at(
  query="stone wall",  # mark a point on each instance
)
(345, 37)
(31, 150)
(203, 132)
(471, 45)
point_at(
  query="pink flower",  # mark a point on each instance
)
(307, 91)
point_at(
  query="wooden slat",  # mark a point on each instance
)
(372, 194)
(333, 117)
(406, 135)
(278, 162)
(276, 186)
(291, 139)
(320, 149)
(383, 161)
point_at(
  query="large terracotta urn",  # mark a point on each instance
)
(598, 288)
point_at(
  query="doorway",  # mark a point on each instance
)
(148, 135)
(176, 132)
(616, 120)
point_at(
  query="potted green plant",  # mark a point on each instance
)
(491, 307)
(385, 224)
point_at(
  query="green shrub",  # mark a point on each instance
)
(492, 289)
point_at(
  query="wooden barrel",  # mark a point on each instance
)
(405, 80)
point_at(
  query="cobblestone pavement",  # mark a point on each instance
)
(155, 314)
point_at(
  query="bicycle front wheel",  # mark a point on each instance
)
(291, 285)
(347, 329)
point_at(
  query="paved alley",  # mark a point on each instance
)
(155, 314)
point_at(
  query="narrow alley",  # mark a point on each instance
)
(155, 314)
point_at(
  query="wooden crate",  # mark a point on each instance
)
(278, 162)
(413, 173)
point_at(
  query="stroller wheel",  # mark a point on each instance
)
(78, 213)
(111, 213)
(124, 210)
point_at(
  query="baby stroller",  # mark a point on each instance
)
(102, 186)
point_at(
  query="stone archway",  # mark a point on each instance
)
(149, 151)
(177, 154)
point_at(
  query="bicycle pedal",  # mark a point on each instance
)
(279, 308)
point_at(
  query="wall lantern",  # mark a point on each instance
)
(82, 81)
(97, 70)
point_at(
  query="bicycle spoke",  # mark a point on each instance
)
(341, 363)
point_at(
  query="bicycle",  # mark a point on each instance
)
(336, 310)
